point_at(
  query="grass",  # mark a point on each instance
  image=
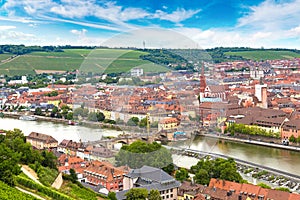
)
(76, 192)
(97, 60)
(46, 175)
(265, 55)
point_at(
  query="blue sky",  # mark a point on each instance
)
(208, 23)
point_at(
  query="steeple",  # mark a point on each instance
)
(202, 80)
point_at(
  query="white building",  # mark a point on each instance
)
(22, 81)
(256, 73)
(258, 91)
(136, 72)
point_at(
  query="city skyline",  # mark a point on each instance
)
(254, 23)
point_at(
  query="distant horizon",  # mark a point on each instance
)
(120, 47)
(209, 24)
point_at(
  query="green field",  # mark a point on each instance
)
(98, 60)
(265, 54)
(5, 56)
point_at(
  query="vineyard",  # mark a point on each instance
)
(9, 193)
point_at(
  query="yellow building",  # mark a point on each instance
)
(54, 102)
(168, 124)
(41, 141)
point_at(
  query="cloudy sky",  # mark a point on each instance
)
(209, 23)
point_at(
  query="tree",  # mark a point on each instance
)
(263, 185)
(154, 195)
(182, 174)
(49, 159)
(140, 153)
(137, 194)
(133, 121)
(143, 122)
(96, 116)
(54, 111)
(69, 116)
(100, 116)
(169, 168)
(284, 189)
(73, 175)
(202, 177)
(112, 196)
(8, 165)
(292, 139)
(38, 111)
(218, 168)
(92, 117)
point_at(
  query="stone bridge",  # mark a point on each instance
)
(124, 139)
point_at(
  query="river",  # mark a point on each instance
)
(59, 131)
(280, 159)
(284, 160)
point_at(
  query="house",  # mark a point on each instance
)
(100, 153)
(41, 141)
(291, 127)
(189, 190)
(105, 174)
(150, 178)
(69, 162)
(69, 147)
(225, 190)
(136, 72)
(168, 124)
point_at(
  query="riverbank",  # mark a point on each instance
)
(273, 177)
(65, 121)
(251, 141)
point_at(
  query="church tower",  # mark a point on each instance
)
(202, 84)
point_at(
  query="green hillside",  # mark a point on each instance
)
(8, 193)
(264, 54)
(98, 60)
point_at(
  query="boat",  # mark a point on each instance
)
(179, 135)
(73, 123)
(27, 117)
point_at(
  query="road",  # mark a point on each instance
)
(30, 173)
(32, 194)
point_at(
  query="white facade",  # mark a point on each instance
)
(256, 73)
(136, 72)
(258, 91)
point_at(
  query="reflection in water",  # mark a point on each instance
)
(57, 130)
(284, 160)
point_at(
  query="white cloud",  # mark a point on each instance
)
(17, 36)
(272, 15)
(226, 38)
(294, 32)
(80, 33)
(176, 16)
(18, 19)
(261, 35)
(108, 11)
(2, 28)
